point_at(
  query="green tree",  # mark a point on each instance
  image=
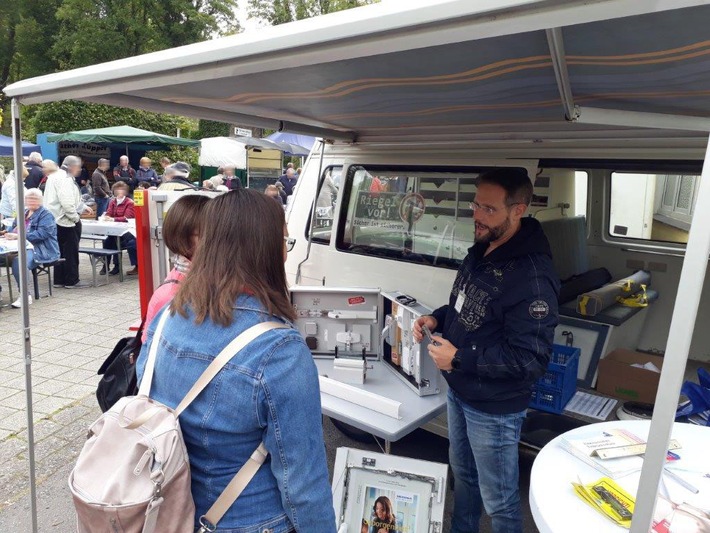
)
(211, 128)
(281, 11)
(93, 31)
(68, 115)
(26, 37)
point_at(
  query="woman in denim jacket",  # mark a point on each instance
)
(268, 393)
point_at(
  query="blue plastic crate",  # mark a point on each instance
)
(553, 390)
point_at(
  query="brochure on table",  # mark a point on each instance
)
(373, 374)
(374, 492)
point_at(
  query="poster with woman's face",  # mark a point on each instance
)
(389, 511)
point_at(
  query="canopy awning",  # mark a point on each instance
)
(221, 152)
(267, 144)
(121, 134)
(6, 147)
(429, 70)
(301, 143)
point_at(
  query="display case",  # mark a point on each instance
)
(375, 492)
(358, 328)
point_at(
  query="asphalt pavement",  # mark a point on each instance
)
(72, 332)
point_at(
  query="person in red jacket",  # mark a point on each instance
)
(121, 209)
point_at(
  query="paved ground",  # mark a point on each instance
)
(71, 335)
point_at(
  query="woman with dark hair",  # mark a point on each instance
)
(383, 520)
(181, 231)
(267, 393)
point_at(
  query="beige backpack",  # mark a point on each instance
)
(133, 473)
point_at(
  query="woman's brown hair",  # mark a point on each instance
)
(240, 251)
(120, 185)
(184, 221)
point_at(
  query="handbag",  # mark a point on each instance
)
(118, 371)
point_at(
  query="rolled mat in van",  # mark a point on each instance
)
(593, 302)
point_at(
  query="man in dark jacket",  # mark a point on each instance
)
(34, 166)
(99, 183)
(497, 335)
(124, 172)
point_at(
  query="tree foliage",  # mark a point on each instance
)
(281, 11)
(42, 36)
(68, 115)
(211, 128)
(93, 31)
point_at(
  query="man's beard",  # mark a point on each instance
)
(494, 233)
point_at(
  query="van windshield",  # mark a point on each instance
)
(419, 215)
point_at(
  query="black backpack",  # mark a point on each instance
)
(119, 371)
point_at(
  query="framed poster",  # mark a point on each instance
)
(377, 493)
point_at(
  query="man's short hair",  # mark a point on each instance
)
(35, 157)
(71, 161)
(123, 157)
(103, 161)
(515, 181)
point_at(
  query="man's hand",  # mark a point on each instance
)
(442, 354)
(428, 321)
(88, 210)
(11, 236)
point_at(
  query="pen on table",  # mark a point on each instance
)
(683, 483)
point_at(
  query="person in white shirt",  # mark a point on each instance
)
(63, 199)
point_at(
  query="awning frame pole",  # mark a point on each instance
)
(25, 310)
(559, 64)
(685, 312)
(637, 119)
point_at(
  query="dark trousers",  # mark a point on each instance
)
(67, 273)
(128, 243)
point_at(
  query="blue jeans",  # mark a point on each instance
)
(101, 206)
(483, 454)
(16, 266)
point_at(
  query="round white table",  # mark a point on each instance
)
(557, 509)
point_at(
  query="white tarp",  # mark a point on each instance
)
(221, 151)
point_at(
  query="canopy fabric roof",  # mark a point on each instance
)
(121, 134)
(304, 141)
(222, 151)
(6, 144)
(429, 70)
(265, 143)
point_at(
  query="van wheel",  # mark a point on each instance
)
(351, 431)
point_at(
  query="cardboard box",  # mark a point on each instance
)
(619, 379)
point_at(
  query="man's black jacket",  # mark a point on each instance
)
(505, 327)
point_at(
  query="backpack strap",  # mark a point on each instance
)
(147, 380)
(209, 521)
(229, 351)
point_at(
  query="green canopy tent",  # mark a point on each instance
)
(123, 135)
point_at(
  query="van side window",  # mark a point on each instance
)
(419, 215)
(328, 188)
(656, 207)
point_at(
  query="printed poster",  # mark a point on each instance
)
(389, 510)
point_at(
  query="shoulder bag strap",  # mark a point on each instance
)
(152, 353)
(229, 351)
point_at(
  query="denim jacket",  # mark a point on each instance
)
(42, 233)
(269, 393)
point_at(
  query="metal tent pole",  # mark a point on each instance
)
(26, 342)
(685, 313)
